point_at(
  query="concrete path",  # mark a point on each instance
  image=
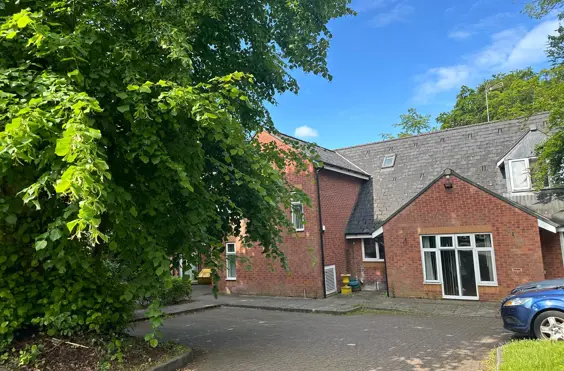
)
(339, 304)
(240, 339)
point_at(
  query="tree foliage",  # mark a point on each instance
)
(516, 94)
(411, 123)
(127, 137)
(551, 152)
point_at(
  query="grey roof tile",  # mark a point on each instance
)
(330, 157)
(472, 151)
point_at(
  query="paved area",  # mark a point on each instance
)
(238, 339)
(338, 304)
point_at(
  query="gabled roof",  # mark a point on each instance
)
(330, 157)
(472, 151)
(484, 189)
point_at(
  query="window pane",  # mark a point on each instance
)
(388, 161)
(430, 266)
(519, 174)
(381, 251)
(446, 242)
(231, 248)
(483, 240)
(369, 248)
(231, 266)
(298, 216)
(486, 266)
(429, 242)
(463, 241)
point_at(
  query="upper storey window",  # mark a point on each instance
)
(520, 173)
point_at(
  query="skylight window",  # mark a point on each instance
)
(389, 161)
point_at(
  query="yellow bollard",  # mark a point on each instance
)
(346, 289)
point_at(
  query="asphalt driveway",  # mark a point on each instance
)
(249, 339)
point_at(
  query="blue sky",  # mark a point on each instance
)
(397, 54)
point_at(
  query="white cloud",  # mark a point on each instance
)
(459, 35)
(464, 31)
(531, 48)
(398, 13)
(437, 80)
(496, 53)
(305, 132)
(509, 49)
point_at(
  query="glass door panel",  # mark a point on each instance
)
(450, 274)
(467, 273)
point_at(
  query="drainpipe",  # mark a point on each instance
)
(386, 268)
(321, 232)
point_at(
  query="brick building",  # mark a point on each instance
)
(450, 214)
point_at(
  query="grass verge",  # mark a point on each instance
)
(86, 353)
(525, 355)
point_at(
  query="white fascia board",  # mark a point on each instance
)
(343, 171)
(378, 232)
(545, 225)
(357, 236)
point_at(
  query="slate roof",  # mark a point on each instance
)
(330, 157)
(472, 151)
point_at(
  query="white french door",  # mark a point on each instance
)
(458, 267)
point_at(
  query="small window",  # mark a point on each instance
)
(483, 240)
(520, 174)
(231, 261)
(446, 241)
(389, 161)
(298, 216)
(463, 241)
(485, 262)
(429, 249)
(372, 250)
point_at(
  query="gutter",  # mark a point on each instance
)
(321, 232)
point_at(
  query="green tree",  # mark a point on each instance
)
(510, 95)
(551, 152)
(411, 123)
(127, 137)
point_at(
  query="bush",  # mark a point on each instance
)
(181, 289)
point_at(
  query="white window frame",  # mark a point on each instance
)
(477, 261)
(437, 260)
(227, 254)
(384, 166)
(472, 247)
(528, 169)
(303, 215)
(377, 259)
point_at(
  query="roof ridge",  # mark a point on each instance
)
(444, 131)
(305, 141)
(352, 163)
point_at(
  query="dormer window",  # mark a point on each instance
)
(389, 161)
(520, 173)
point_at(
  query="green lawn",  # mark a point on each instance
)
(524, 355)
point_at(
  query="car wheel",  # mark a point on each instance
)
(549, 325)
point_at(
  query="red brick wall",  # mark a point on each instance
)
(551, 254)
(515, 236)
(338, 197)
(265, 276)
(369, 272)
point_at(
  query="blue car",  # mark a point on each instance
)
(536, 309)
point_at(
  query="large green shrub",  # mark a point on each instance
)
(180, 290)
(127, 137)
